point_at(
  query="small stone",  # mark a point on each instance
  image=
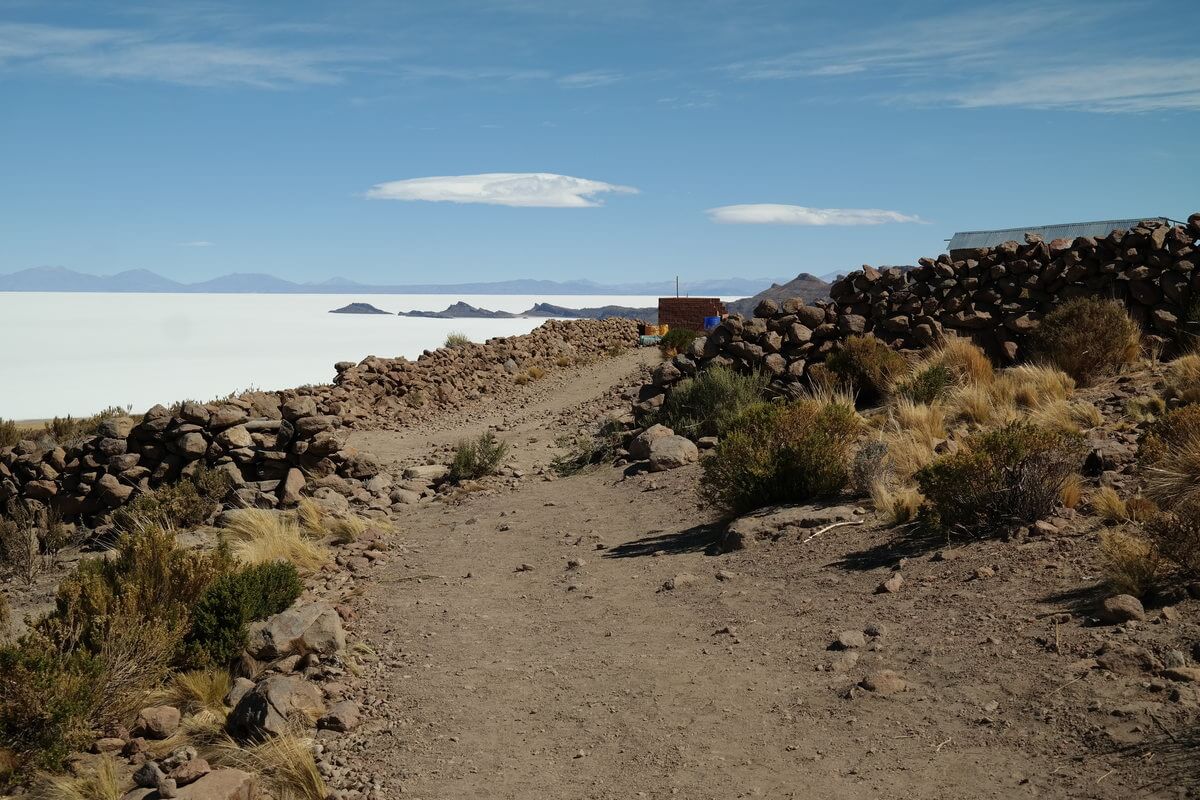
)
(983, 573)
(884, 682)
(190, 771)
(850, 640)
(575, 563)
(891, 585)
(156, 722)
(524, 568)
(725, 575)
(1122, 608)
(679, 581)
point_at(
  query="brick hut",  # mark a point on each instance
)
(688, 312)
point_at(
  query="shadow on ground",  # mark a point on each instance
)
(1175, 754)
(902, 544)
(699, 538)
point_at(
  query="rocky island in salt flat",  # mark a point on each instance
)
(359, 308)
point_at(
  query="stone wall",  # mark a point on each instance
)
(996, 295)
(275, 444)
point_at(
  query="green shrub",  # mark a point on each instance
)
(5, 613)
(150, 578)
(677, 340)
(9, 433)
(457, 339)
(929, 383)
(66, 430)
(19, 551)
(187, 503)
(781, 454)
(586, 451)
(477, 457)
(219, 620)
(706, 404)
(1087, 338)
(1004, 477)
(869, 366)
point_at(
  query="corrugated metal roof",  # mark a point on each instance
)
(971, 239)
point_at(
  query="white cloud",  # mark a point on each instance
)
(526, 189)
(590, 79)
(199, 243)
(779, 214)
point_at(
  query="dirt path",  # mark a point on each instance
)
(524, 647)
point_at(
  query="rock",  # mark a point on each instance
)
(156, 722)
(343, 716)
(312, 628)
(1182, 674)
(189, 771)
(293, 484)
(148, 775)
(221, 784)
(884, 682)
(227, 415)
(192, 445)
(108, 744)
(431, 473)
(237, 691)
(115, 428)
(267, 708)
(639, 447)
(234, 437)
(1121, 608)
(680, 581)
(849, 640)
(891, 585)
(112, 491)
(672, 452)
(296, 407)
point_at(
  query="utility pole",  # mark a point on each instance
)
(677, 286)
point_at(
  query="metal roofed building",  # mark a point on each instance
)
(969, 240)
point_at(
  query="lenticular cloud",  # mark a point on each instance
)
(778, 214)
(528, 189)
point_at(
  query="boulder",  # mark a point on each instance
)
(1121, 608)
(313, 628)
(672, 452)
(112, 491)
(343, 716)
(156, 722)
(292, 486)
(268, 707)
(884, 682)
(639, 446)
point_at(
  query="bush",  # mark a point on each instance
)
(1168, 433)
(1176, 535)
(149, 578)
(1009, 476)
(9, 433)
(677, 340)
(1087, 338)
(869, 366)
(457, 339)
(585, 452)
(536, 373)
(1182, 381)
(477, 457)
(19, 549)
(706, 404)
(66, 430)
(928, 383)
(187, 503)
(781, 454)
(218, 631)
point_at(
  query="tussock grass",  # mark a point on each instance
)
(197, 690)
(457, 339)
(1071, 494)
(1088, 338)
(1174, 480)
(258, 536)
(285, 764)
(1132, 565)
(100, 782)
(1182, 381)
(536, 373)
(898, 506)
(1031, 386)
(1108, 505)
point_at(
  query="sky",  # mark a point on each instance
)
(616, 140)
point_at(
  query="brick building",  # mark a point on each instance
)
(688, 312)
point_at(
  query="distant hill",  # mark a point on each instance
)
(461, 310)
(60, 279)
(599, 312)
(805, 285)
(359, 308)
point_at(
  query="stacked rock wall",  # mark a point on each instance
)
(995, 295)
(272, 444)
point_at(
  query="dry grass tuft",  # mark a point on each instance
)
(311, 516)
(1032, 386)
(537, 373)
(259, 536)
(1174, 480)
(1072, 492)
(1182, 381)
(101, 782)
(898, 506)
(927, 420)
(1108, 505)
(285, 764)
(965, 359)
(1131, 564)
(198, 690)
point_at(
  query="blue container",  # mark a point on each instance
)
(711, 322)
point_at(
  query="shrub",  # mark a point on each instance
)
(9, 434)
(1176, 535)
(1173, 477)
(677, 340)
(477, 457)
(1005, 477)
(1087, 338)
(586, 451)
(218, 629)
(1131, 564)
(536, 373)
(5, 614)
(187, 503)
(521, 378)
(928, 383)
(869, 366)
(965, 360)
(66, 430)
(149, 578)
(1168, 433)
(457, 339)
(198, 690)
(782, 453)
(706, 404)
(259, 536)
(615, 350)
(563, 361)
(898, 506)
(869, 467)
(19, 551)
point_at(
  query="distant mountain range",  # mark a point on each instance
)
(60, 279)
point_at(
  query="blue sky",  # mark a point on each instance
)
(617, 139)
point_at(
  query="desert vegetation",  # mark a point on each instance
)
(476, 458)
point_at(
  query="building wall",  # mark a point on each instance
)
(688, 312)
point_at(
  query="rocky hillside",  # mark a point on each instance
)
(805, 286)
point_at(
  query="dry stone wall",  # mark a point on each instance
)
(995, 295)
(275, 445)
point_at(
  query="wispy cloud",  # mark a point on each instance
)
(527, 189)
(590, 79)
(198, 243)
(109, 53)
(778, 214)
